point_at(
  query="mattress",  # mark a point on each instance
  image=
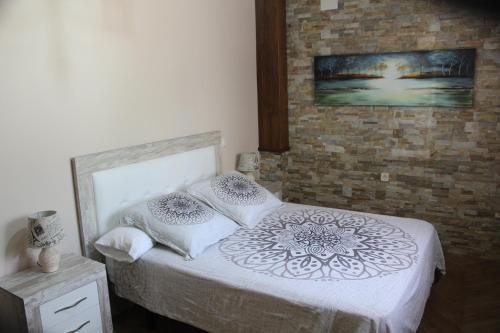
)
(301, 269)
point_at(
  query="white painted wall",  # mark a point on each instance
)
(83, 76)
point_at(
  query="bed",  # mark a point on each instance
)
(301, 269)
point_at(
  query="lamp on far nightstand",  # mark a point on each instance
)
(45, 231)
(248, 164)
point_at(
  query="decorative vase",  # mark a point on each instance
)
(49, 259)
(249, 174)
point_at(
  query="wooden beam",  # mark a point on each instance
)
(272, 75)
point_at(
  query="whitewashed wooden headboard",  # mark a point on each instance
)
(107, 182)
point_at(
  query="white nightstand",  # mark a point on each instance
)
(73, 299)
(275, 187)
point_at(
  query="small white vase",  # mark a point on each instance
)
(49, 259)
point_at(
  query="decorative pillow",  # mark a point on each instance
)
(124, 244)
(180, 222)
(237, 197)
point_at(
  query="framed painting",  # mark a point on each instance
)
(420, 78)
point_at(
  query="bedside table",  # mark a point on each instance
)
(275, 187)
(73, 299)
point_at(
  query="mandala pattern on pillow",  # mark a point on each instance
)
(179, 208)
(321, 244)
(238, 190)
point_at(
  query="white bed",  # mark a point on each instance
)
(376, 279)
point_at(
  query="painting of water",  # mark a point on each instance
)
(420, 78)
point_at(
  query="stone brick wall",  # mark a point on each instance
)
(444, 163)
(273, 166)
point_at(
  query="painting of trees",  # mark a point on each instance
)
(419, 78)
(440, 63)
(458, 62)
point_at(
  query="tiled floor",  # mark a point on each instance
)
(466, 299)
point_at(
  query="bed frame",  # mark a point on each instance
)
(107, 182)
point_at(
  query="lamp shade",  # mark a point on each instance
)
(44, 229)
(248, 162)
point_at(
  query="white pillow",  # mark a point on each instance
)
(180, 222)
(237, 197)
(124, 244)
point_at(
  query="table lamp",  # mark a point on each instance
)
(249, 164)
(45, 231)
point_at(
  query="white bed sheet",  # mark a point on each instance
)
(217, 294)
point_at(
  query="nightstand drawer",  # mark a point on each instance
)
(88, 321)
(69, 305)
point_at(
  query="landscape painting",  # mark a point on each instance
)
(420, 78)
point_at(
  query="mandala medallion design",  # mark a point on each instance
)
(237, 189)
(178, 208)
(321, 244)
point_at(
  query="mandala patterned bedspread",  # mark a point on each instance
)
(319, 243)
(307, 269)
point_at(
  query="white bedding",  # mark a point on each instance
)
(302, 269)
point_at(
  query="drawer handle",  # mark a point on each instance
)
(71, 306)
(80, 327)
